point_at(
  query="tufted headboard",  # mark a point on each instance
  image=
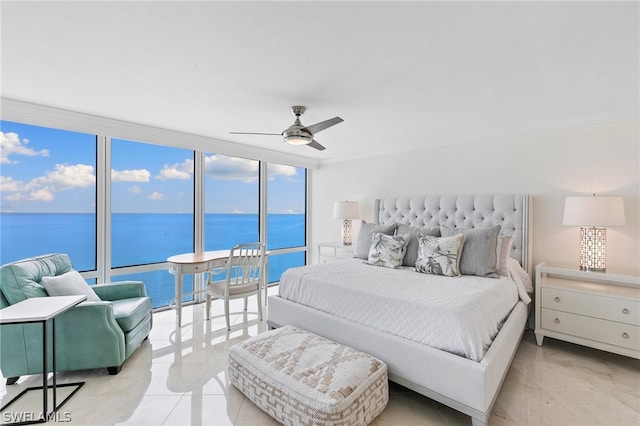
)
(465, 211)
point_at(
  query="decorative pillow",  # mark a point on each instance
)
(414, 233)
(387, 250)
(440, 256)
(479, 250)
(69, 284)
(363, 243)
(502, 253)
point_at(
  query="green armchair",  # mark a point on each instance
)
(94, 334)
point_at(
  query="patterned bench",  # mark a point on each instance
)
(299, 378)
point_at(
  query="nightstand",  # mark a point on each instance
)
(334, 251)
(596, 309)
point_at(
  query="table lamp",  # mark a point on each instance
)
(593, 214)
(346, 210)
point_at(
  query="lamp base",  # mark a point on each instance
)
(593, 249)
(346, 232)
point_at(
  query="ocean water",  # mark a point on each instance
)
(139, 239)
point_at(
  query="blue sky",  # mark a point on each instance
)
(50, 170)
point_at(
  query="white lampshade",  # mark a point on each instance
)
(593, 211)
(346, 210)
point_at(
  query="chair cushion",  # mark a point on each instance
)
(129, 312)
(218, 288)
(22, 279)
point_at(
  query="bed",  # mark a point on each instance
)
(466, 377)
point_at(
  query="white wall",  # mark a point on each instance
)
(602, 159)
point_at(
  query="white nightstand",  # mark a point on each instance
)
(334, 251)
(596, 309)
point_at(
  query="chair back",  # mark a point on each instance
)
(22, 279)
(246, 264)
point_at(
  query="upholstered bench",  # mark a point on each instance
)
(299, 378)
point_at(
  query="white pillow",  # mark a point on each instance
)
(69, 284)
(387, 250)
(519, 274)
(440, 256)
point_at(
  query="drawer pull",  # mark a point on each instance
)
(557, 299)
(557, 321)
(625, 311)
(625, 335)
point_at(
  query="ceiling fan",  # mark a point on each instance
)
(298, 133)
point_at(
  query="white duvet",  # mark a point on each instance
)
(460, 315)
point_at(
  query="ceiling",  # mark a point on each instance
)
(403, 75)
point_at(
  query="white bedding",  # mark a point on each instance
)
(460, 315)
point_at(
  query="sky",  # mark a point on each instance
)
(54, 171)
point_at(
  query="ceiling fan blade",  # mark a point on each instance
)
(314, 144)
(250, 133)
(315, 128)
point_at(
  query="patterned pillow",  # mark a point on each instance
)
(440, 256)
(387, 250)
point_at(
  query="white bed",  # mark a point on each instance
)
(468, 379)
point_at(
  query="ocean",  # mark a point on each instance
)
(140, 238)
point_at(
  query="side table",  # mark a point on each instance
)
(42, 309)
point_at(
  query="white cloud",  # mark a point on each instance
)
(66, 177)
(275, 170)
(183, 170)
(156, 196)
(10, 143)
(137, 175)
(135, 189)
(42, 194)
(43, 188)
(231, 168)
(9, 184)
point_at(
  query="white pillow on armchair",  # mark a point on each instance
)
(69, 284)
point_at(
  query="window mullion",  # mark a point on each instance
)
(103, 208)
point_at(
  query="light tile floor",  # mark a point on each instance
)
(177, 377)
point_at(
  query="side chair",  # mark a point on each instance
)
(243, 276)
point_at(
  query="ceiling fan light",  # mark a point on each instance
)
(297, 140)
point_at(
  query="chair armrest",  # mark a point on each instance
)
(120, 290)
(87, 336)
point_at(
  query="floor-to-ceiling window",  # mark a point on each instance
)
(151, 212)
(231, 199)
(286, 218)
(47, 194)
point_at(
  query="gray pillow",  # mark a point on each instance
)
(414, 234)
(479, 255)
(363, 243)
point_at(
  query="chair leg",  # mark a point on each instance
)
(226, 312)
(259, 306)
(246, 303)
(114, 370)
(208, 307)
(12, 380)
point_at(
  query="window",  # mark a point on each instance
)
(151, 202)
(286, 216)
(48, 194)
(231, 201)
(152, 212)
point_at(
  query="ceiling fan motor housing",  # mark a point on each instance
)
(297, 133)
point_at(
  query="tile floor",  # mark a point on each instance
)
(177, 377)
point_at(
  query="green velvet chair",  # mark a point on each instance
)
(94, 334)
